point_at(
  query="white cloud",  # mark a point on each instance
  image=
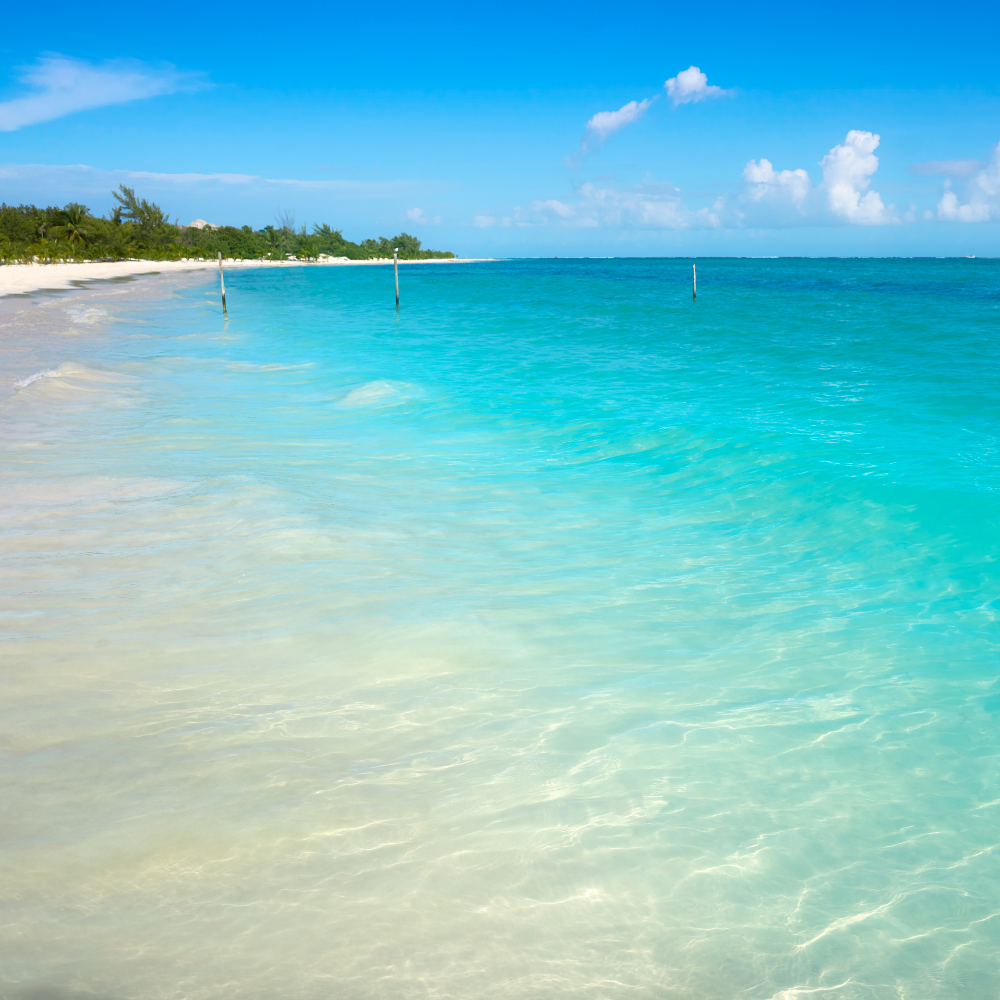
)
(419, 215)
(606, 123)
(483, 221)
(982, 193)
(847, 171)
(553, 207)
(781, 191)
(61, 86)
(788, 197)
(692, 85)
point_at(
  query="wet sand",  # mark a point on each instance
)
(23, 279)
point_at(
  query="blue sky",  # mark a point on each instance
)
(523, 128)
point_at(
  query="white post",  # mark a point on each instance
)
(694, 284)
(222, 282)
(395, 267)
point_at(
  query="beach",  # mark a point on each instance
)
(20, 279)
(555, 635)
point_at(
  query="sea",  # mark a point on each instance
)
(560, 635)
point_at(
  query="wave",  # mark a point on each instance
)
(86, 317)
(20, 383)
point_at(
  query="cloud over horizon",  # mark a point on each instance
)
(787, 197)
(768, 198)
(61, 86)
(981, 191)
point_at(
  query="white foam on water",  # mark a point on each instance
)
(86, 317)
(379, 393)
(20, 383)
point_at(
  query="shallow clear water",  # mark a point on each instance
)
(559, 637)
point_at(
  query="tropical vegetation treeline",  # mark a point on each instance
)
(137, 228)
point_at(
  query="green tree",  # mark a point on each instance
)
(146, 213)
(74, 226)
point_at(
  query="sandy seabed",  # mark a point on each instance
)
(22, 279)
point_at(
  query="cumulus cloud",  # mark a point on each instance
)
(692, 85)
(788, 197)
(981, 195)
(59, 86)
(782, 192)
(847, 171)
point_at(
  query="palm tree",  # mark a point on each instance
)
(72, 229)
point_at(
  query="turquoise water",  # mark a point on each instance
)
(561, 636)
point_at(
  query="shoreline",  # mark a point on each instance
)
(25, 279)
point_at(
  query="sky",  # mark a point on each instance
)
(523, 129)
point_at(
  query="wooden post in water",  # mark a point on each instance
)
(694, 284)
(395, 267)
(222, 282)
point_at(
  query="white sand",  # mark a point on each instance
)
(20, 279)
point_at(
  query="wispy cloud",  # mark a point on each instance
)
(691, 85)
(60, 86)
(947, 168)
(77, 180)
(148, 175)
(357, 189)
(643, 206)
(418, 215)
(606, 123)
